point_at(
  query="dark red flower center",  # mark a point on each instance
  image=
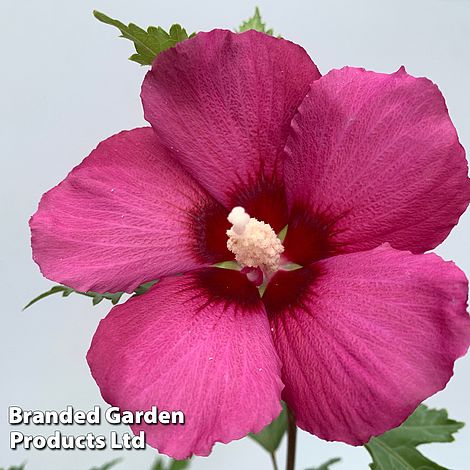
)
(308, 239)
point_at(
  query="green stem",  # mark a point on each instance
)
(291, 440)
(273, 460)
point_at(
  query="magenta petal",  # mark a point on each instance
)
(376, 157)
(188, 345)
(223, 103)
(126, 215)
(366, 338)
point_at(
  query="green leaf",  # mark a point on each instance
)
(255, 23)
(108, 465)
(172, 465)
(271, 436)
(96, 297)
(66, 291)
(326, 465)
(148, 43)
(158, 465)
(20, 467)
(143, 288)
(396, 449)
(178, 464)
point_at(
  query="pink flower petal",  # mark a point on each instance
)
(375, 158)
(365, 337)
(223, 103)
(126, 215)
(189, 345)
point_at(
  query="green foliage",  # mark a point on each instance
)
(20, 467)
(255, 23)
(172, 465)
(396, 449)
(108, 465)
(148, 43)
(143, 288)
(95, 296)
(158, 465)
(271, 436)
(66, 291)
(326, 465)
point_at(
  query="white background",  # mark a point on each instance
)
(66, 84)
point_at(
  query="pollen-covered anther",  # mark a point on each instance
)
(254, 243)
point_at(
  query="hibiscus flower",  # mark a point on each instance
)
(366, 171)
